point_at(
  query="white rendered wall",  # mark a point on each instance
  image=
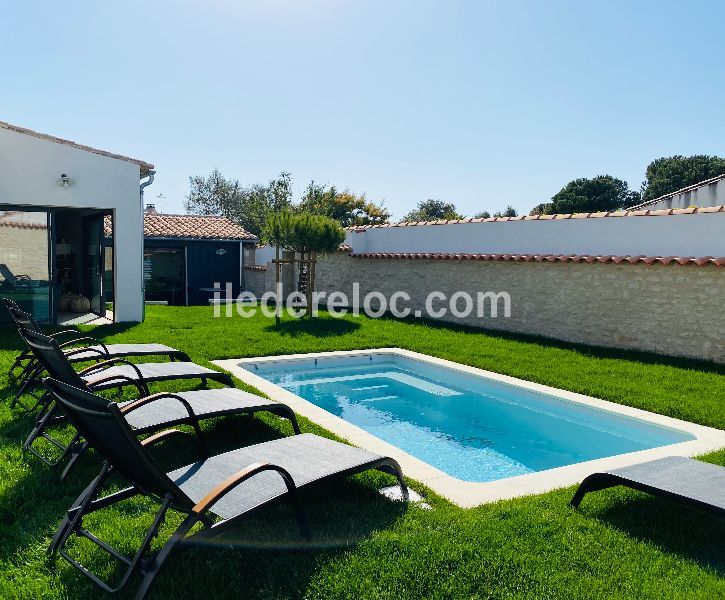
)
(29, 168)
(674, 235)
(264, 254)
(706, 195)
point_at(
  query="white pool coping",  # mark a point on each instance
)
(465, 493)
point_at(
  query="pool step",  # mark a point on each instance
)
(369, 387)
(377, 398)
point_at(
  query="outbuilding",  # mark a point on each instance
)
(187, 258)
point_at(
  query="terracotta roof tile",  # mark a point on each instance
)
(158, 225)
(558, 217)
(16, 225)
(551, 258)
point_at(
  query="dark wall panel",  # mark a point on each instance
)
(210, 262)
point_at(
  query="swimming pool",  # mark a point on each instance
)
(472, 426)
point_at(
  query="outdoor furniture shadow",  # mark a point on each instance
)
(681, 480)
(678, 478)
(215, 492)
(26, 370)
(149, 413)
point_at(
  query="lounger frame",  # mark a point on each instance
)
(602, 481)
(149, 564)
(60, 368)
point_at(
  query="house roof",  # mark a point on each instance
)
(145, 166)
(558, 217)
(689, 188)
(552, 258)
(156, 225)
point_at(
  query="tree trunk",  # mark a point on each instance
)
(311, 281)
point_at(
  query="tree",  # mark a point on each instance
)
(669, 174)
(433, 210)
(249, 206)
(542, 209)
(484, 214)
(344, 207)
(601, 193)
(308, 235)
(509, 211)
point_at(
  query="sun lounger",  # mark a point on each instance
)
(150, 412)
(686, 480)
(118, 372)
(215, 492)
(91, 349)
(19, 282)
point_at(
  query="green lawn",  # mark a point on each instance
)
(620, 543)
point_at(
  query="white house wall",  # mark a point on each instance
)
(29, 169)
(673, 235)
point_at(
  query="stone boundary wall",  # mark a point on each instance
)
(259, 279)
(255, 280)
(668, 309)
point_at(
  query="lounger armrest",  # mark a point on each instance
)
(73, 332)
(152, 398)
(161, 395)
(233, 481)
(85, 350)
(166, 434)
(119, 381)
(160, 436)
(86, 339)
(109, 363)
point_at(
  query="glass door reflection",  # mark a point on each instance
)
(24, 261)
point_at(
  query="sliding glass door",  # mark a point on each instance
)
(92, 228)
(25, 262)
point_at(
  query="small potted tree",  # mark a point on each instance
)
(307, 235)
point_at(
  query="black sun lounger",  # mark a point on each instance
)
(216, 491)
(686, 480)
(26, 371)
(118, 372)
(147, 414)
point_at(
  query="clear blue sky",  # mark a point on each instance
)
(479, 103)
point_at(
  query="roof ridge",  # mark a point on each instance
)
(576, 258)
(51, 138)
(555, 217)
(200, 227)
(687, 188)
(160, 214)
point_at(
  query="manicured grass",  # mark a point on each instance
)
(620, 544)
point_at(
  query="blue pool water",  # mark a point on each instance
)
(468, 426)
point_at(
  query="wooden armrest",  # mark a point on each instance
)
(109, 363)
(86, 339)
(160, 436)
(57, 334)
(234, 480)
(153, 397)
(167, 433)
(75, 351)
